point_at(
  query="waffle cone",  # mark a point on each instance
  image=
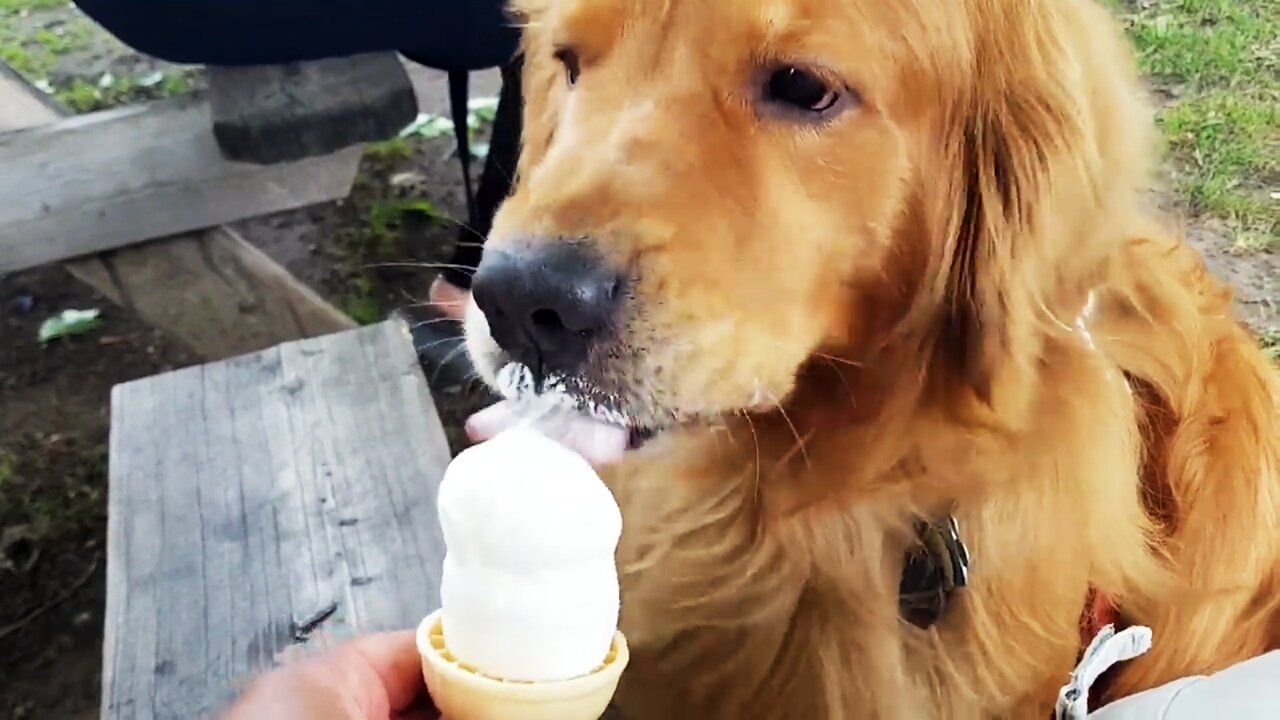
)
(462, 693)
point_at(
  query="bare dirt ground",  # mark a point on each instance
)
(53, 397)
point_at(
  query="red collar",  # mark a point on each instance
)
(1100, 610)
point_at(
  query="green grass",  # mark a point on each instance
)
(53, 489)
(19, 59)
(13, 7)
(377, 240)
(33, 50)
(1271, 343)
(1219, 60)
(57, 43)
(38, 37)
(388, 151)
(82, 97)
(359, 301)
(24, 56)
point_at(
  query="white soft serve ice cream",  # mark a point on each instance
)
(530, 588)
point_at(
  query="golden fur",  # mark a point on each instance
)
(890, 313)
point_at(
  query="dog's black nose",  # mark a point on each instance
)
(546, 305)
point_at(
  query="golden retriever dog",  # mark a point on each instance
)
(832, 267)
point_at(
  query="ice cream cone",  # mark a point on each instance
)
(463, 693)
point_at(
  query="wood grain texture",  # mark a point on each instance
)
(282, 113)
(90, 183)
(269, 500)
(245, 300)
(209, 289)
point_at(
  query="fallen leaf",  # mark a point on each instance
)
(483, 104)
(429, 126)
(410, 181)
(68, 323)
(151, 80)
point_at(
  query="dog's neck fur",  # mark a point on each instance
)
(788, 583)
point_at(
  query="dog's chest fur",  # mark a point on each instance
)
(735, 612)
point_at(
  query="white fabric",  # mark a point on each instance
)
(1106, 649)
(1247, 691)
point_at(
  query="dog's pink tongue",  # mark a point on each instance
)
(599, 442)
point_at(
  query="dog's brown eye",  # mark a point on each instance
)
(801, 89)
(569, 59)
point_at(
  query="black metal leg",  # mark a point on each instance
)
(496, 179)
(439, 344)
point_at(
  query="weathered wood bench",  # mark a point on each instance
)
(135, 201)
(263, 502)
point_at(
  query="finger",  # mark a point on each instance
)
(394, 658)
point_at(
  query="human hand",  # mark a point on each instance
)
(376, 677)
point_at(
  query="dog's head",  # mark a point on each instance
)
(714, 193)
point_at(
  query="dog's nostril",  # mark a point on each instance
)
(547, 320)
(548, 323)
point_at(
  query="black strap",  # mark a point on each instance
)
(458, 97)
(932, 571)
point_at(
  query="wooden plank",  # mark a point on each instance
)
(242, 293)
(163, 282)
(105, 180)
(22, 106)
(282, 495)
(282, 113)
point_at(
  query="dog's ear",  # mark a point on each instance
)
(1009, 145)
